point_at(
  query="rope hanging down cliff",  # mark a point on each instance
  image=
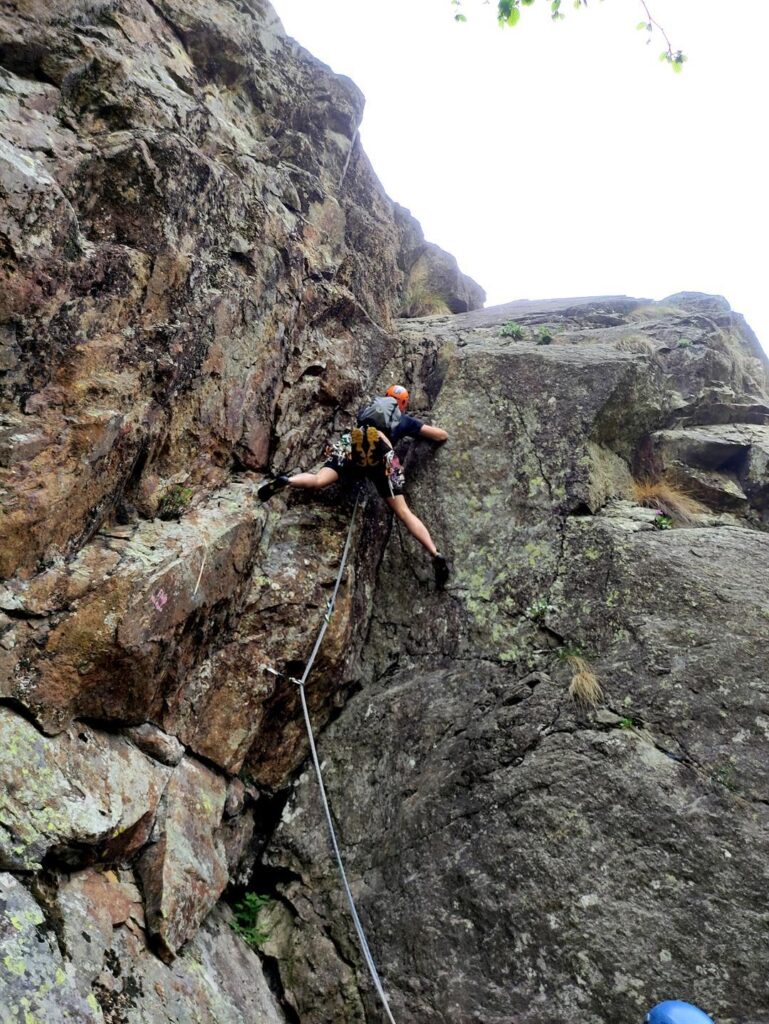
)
(332, 832)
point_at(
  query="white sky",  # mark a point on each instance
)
(558, 159)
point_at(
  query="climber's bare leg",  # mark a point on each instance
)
(413, 523)
(314, 481)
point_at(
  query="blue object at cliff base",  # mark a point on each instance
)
(673, 1011)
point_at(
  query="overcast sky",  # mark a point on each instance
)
(563, 159)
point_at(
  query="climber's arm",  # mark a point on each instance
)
(433, 433)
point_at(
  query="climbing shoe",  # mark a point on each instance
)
(441, 570)
(266, 490)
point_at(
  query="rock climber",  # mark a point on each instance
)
(673, 1011)
(367, 450)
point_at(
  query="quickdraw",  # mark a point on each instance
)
(341, 449)
(394, 470)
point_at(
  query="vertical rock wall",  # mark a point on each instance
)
(190, 236)
(520, 855)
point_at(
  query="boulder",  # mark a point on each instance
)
(81, 795)
(725, 466)
(36, 981)
(184, 869)
(156, 744)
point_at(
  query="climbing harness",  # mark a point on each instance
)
(363, 448)
(394, 472)
(300, 683)
(341, 449)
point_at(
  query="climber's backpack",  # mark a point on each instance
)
(366, 447)
(383, 413)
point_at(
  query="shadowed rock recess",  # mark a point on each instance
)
(200, 280)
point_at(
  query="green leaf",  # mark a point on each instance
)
(508, 12)
(677, 66)
(641, 25)
(459, 17)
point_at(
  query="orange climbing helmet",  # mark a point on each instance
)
(400, 394)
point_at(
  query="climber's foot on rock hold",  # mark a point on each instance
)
(441, 570)
(266, 490)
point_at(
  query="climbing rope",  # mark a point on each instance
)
(332, 832)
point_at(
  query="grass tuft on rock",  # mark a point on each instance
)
(636, 344)
(672, 501)
(584, 687)
(420, 301)
(175, 502)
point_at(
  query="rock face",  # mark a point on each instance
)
(175, 214)
(433, 273)
(200, 280)
(108, 975)
(191, 237)
(727, 465)
(84, 789)
(36, 981)
(517, 855)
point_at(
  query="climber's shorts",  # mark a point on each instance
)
(387, 476)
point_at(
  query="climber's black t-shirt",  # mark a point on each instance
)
(408, 426)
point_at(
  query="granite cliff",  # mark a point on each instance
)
(201, 279)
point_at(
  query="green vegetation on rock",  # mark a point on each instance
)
(246, 922)
(538, 609)
(175, 502)
(512, 330)
(420, 301)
